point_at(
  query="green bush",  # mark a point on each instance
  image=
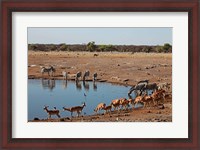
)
(167, 48)
(63, 47)
(52, 47)
(91, 46)
(159, 49)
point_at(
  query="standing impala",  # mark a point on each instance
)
(107, 109)
(77, 109)
(99, 107)
(52, 112)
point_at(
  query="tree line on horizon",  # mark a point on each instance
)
(92, 47)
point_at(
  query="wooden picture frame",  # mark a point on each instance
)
(190, 6)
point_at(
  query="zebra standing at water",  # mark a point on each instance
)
(50, 70)
(95, 76)
(78, 75)
(86, 74)
(143, 82)
(139, 87)
(151, 86)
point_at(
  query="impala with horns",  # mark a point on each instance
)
(77, 109)
(52, 112)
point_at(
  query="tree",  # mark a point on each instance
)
(159, 49)
(111, 48)
(146, 49)
(52, 47)
(106, 48)
(63, 47)
(167, 47)
(102, 48)
(91, 46)
(32, 46)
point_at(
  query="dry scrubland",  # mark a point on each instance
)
(121, 68)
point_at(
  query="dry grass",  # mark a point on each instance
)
(103, 54)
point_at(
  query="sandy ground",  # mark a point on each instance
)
(120, 68)
(148, 114)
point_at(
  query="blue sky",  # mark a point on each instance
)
(115, 36)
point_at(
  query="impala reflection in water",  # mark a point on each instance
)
(61, 93)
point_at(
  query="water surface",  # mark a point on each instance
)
(60, 93)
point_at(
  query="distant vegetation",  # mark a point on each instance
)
(92, 47)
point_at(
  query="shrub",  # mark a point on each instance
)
(63, 47)
(159, 49)
(167, 47)
(91, 46)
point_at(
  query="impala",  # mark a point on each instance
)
(124, 103)
(99, 107)
(77, 109)
(115, 103)
(158, 95)
(107, 108)
(52, 112)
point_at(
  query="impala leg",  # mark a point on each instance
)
(154, 103)
(58, 115)
(163, 98)
(78, 112)
(144, 105)
(149, 104)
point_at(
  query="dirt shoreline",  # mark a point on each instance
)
(113, 67)
(149, 114)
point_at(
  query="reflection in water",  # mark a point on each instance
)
(95, 86)
(64, 84)
(78, 85)
(86, 85)
(48, 84)
(44, 92)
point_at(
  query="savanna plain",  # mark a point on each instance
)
(123, 68)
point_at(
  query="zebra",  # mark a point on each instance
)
(86, 74)
(78, 85)
(50, 70)
(143, 82)
(78, 75)
(138, 87)
(86, 85)
(94, 76)
(64, 73)
(152, 86)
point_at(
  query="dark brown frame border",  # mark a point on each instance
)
(9, 6)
